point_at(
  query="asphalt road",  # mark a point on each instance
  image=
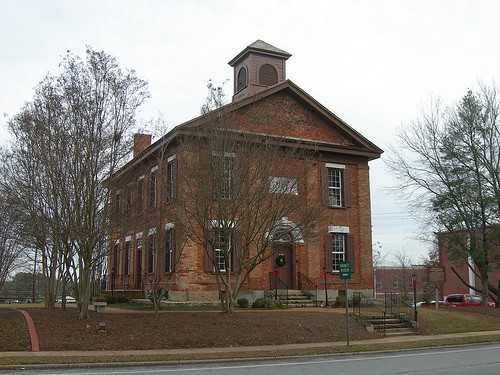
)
(476, 359)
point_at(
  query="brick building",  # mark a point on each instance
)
(399, 280)
(264, 103)
(463, 265)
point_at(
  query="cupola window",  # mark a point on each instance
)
(242, 79)
(268, 75)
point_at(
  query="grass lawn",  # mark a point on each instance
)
(459, 319)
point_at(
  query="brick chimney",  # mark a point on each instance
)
(141, 142)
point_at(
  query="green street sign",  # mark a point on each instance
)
(345, 270)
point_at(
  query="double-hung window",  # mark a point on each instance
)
(169, 248)
(338, 250)
(223, 175)
(171, 179)
(153, 188)
(222, 252)
(151, 251)
(339, 247)
(222, 248)
(335, 186)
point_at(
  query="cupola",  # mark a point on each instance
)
(257, 67)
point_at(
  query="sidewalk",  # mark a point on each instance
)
(76, 358)
(271, 350)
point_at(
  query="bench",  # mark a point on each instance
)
(99, 306)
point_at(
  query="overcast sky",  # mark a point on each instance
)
(374, 64)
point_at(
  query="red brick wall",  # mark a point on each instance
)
(280, 114)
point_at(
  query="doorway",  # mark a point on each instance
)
(287, 271)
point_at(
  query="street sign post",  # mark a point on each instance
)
(345, 274)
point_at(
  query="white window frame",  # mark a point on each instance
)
(338, 252)
(169, 250)
(335, 185)
(170, 179)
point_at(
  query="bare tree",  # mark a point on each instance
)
(11, 230)
(404, 262)
(69, 141)
(448, 167)
(378, 260)
(240, 195)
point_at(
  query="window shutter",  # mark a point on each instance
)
(324, 186)
(209, 264)
(347, 188)
(328, 253)
(350, 252)
(235, 253)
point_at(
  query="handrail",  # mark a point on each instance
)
(366, 307)
(301, 284)
(274, 286)
(397, 306)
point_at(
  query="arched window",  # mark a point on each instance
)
(268, 75)
(282, 235)
(242, 79)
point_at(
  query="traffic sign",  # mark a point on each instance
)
(345, 270)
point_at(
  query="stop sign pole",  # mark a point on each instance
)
(345, 274)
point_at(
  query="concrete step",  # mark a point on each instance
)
(295, 298)
(390, 326)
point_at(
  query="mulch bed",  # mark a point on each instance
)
(63, 330)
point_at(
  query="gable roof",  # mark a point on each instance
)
(359, 146)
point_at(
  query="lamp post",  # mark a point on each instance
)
(414, 279)
(326, 290)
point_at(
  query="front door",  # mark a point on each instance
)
(287, 272)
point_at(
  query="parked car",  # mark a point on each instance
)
(69, 299)
(463, 300)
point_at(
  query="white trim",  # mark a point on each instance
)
(337, 229)
(336, 166)
(138, 235)
(171, 158)
(151, 231)
(128, 238)
(169, 226)
(154, 169)
(289, 225)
